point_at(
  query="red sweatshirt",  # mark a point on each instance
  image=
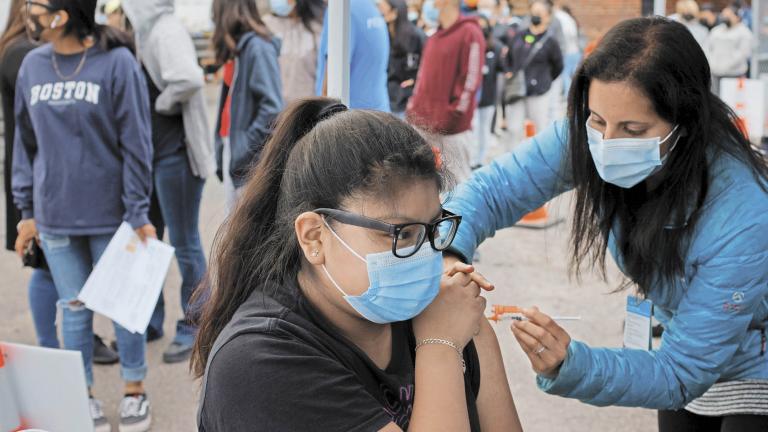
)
(450, 75)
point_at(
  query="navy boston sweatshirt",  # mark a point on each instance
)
(83, 146)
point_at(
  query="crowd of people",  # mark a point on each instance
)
(339, 271)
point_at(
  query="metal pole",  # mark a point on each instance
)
(338, 49)
(660, 7)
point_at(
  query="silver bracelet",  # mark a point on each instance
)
(448, 342)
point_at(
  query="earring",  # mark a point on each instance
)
(315, 253)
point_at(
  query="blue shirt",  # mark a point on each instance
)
(82, 161)
(368, 56)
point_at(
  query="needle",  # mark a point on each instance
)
(522, 318)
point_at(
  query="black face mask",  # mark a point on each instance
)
(34, 28)
(688, 17)
(535, 20)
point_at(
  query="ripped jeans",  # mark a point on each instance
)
(71, 259)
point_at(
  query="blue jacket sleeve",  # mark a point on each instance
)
(24, 142)
(500, 194)
(134, 131)
(265, 88)
(707, 330)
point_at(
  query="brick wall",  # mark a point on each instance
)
(597, 16)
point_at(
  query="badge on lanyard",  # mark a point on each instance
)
(637, 327)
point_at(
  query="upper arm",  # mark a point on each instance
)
(514, 184)
(286, 385)
(495, 405)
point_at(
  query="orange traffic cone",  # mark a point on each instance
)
(538, 218)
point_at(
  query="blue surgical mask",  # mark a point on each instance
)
(626, 162)
(413, 16)
(487, 13)
(281, 7)
(400, 288)
(430, 13)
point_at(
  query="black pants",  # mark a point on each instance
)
(684, 421)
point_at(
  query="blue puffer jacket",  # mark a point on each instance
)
(712, 316)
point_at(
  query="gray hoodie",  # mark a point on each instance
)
(168, 53)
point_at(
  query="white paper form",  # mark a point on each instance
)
(126, 282)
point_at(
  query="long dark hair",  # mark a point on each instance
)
(308, 163)
(403, 29)
(233, 19)
(15, 28)
(310, 11)
(663, 60)
(82, 23)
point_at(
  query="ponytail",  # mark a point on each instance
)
(236, 268)
(319, 155)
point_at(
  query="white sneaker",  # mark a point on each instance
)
(135, 414)
(100, 423)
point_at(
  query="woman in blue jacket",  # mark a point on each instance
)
(251, 95)
(665, 181)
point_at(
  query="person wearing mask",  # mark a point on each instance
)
(298, 24)
(451, 72)
(688, 15)
(322, 290)
(406, 42)
(84, 89)
(368, 57)
(251, 94)
(183, 152)
(535, 57)
(492, 69)
(729, 48)
(665, 182)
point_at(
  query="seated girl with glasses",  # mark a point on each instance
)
(329, 307)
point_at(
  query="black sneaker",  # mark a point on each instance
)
(177, 353)
(135, 413)
(102, 354)
(100, 423)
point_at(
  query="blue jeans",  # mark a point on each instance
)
(179, 193)
(71, 259)
(42, 303)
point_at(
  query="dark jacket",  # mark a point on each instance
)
(494, 65)
(256, 101)
(404, 59)
(545, 66)
(10, 63)
(445, 96)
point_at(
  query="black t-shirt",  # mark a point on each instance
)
(280, 366)
(167, 130)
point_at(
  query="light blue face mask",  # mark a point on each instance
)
(413, 16)
(400, 288)
(626, 162)
(430, 13)
(281, 7)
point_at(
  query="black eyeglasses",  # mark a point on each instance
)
(31, 3)
(407, 238)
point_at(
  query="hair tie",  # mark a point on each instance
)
(330, 111)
